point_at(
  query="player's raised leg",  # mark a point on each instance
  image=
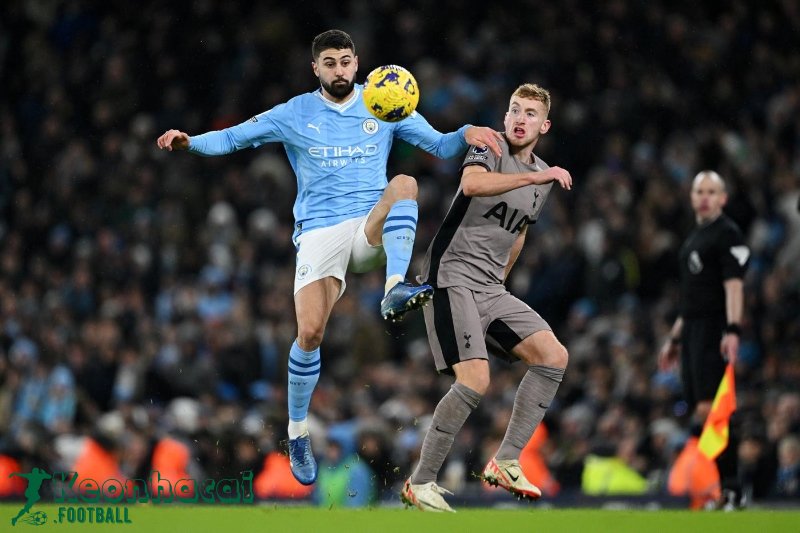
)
(393, 221)
(547, 360)
(313, 305)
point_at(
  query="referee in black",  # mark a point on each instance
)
(713, 260)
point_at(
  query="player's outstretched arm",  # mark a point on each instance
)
(173, 140)
(557, 174)
(484, 137)
(477, 181)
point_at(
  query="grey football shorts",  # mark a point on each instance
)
(464, 324)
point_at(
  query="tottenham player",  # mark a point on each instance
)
(467, 263)
(346, 216)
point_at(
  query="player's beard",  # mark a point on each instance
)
(338, 90)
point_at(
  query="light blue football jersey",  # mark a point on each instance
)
(338, 152)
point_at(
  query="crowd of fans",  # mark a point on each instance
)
(146, 295)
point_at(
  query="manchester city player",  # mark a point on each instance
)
(347, 216)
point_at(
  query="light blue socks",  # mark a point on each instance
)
(303, 376)
(399, 231)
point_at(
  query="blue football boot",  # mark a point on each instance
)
(301, 459)
(404, 297)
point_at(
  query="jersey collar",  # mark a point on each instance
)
(344, 106)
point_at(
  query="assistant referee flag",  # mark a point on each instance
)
(714, 438)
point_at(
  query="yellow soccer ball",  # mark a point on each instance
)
(391, 93)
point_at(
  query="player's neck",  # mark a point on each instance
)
(523, 153)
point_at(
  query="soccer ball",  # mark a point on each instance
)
(391, 93)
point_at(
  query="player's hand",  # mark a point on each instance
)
(173, 140)
(556, 174)
(668, 356)
(729, 347)
(483, 137)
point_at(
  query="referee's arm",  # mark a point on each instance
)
(734, 306)
(669, 352)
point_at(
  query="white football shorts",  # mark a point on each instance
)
(335, 250)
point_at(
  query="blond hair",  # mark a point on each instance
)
(531, 91)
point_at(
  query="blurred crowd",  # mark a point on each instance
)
(146, 297)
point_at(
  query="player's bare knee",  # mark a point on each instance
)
(404, 187)
(309, 336)
(473, 373)
(477, 381)
(559, 358)
(543, 349)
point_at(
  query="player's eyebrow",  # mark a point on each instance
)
(525, 109)
(333, 58)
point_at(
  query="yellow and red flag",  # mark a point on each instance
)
(714, 438)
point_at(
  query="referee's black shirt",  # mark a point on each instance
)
(712, 253)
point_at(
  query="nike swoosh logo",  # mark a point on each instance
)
(513, 478)
(440, 430)
(543, 406)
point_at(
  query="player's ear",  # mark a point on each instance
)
(315, 68)
(355, 63)
(545, 127)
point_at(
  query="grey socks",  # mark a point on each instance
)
(536, 390)
(449, 416)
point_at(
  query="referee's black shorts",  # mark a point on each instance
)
(702, 365)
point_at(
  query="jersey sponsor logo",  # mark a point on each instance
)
(508, 221)
(254, 119)
(477, 157)
(303, 272)
(370, 126)
(343, 151)
(695, 264)
(741, 253)
(315, 127)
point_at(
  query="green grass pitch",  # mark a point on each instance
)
(271, 518)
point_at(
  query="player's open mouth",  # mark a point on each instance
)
(519, 132)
